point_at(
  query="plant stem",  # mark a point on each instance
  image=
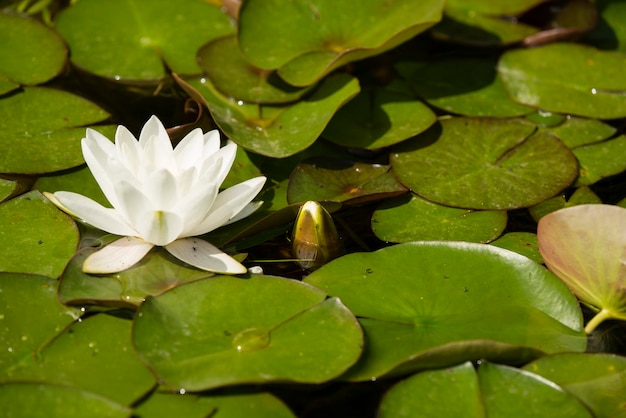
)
(596, 320)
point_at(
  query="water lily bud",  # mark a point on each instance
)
(315, 238)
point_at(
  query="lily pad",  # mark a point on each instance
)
(493, 391)
(40, 138)
(227, 405)
(236, 78)
(278, 131)
(601, 160)
(144, 37)
(24, 399)
(582, 196)
(465, 86)
(31, 52)
(435, 304)
(341, 181)
(610, 33)
(226, 330)
(155, 274)
(524, 243)
(95, 355)
(575, 132)
(417, 219)
(306, 41)
(7, 188)
(35, 237)
(484, 164)
(31, 317)
(378, 118)
(567, 78)
(598, 380)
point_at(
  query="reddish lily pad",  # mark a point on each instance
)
(484, 164)
(341, 181)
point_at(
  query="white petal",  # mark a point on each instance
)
(97, 156)
(228, 154)
(162, 189)
(205, 256)
(248, 210)
(117, 256)
(128, 149)
(189, 150)
(227, 205)
(157, 146)
(93, 213)
(153, 127)
(211, 142)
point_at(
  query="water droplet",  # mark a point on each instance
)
(10, 349)
(240, 102)
(594, 91)
(251, 339)
(1, 316)
(182, 391)
(92, 345)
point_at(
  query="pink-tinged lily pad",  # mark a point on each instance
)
(341, 181)
(307, 40)
(585, 246)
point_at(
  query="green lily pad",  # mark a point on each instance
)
(30, 317)
(307, 41)
(227, 405)
(524, 243)
(545, 119)
(582, 196)
(598, 380)
(155, 274)
(417, 219)
(601, 160)
(235, 77)
(341, 181)
(435, 304)
(38, 137)
(96, 355)
(610, 33)
(144, 37)
(575, 132)
(484, 164)
(493, 391)
(567, 78)
(378, 118)
(22, 399)
(8, 188)
(226, 330)
(31, 52)
(35, 237)
(278, 131)
(465, 86)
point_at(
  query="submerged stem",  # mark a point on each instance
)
(597, 320)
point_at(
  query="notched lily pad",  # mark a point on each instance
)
(226, 330)
(582, 196)
(341, 181)
(38, 138)
(484, 164)
(435, 304)
(307, 41)
(600, 160)
(416, 219)
(576, 132)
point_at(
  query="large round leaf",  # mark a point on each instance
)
(484, 164)
(35, 237)
(567, 78)
(125, 39)
(415, 219)
(600, 160)
(40, 131)
(31, 52)
(429, 304)
(227, 330)
(310, 39)
(598, 380)
(96, 355)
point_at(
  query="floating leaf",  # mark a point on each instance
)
(95, 355)
(582, 195)
(567, 78)
(23, 399)
(484, 164)
(278, 131)
(227, 330)
(8, 188)
(35, 237)
(435, 304)
(307, 41)
(417, 219)
(600, 160)
(598, 380)
(378, 118)
(610, 33)
(144, 37)
(31, 52)
(466, 86)
(524, 243)
(40, 138)
(585, 246)
(341, 181)
(575, 132)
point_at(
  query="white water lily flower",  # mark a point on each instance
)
(160, 196)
